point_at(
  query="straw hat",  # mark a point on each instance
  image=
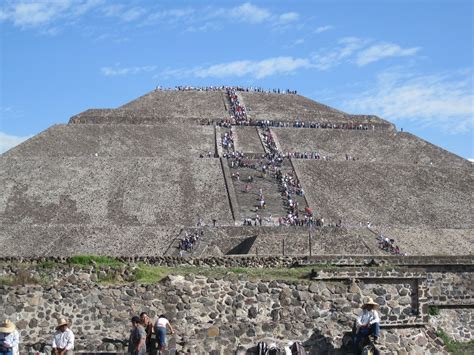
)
(61, 322)
(368, 301)
(7, 326)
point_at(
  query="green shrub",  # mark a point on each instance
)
(48, 264)
(433, 311)
(456, 347)
(93, 260)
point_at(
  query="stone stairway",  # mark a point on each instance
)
(173, 249)
(248, 200)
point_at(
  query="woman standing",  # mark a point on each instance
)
(161, 329)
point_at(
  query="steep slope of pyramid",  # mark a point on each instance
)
(368, 146)
(132, 180)
(160, 106)
(289, 107)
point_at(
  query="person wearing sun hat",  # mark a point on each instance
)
(9, 338)
(367, 323)
(63, 339)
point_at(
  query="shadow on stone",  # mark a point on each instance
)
(243, 247)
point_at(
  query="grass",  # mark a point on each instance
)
(456, 347)
(23, 277)
(93, 260)
(154, 274)
(48, 264)
(6, 281)
(433, 311)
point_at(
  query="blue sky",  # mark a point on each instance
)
(410, 62)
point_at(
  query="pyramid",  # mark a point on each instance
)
(127, 181)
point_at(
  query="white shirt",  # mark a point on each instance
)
(368, 318)
(12, 340)
(63, 340)
(162, 323)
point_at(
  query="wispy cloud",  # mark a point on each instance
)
(208, 18)
(288, 17)
(8, 141)
(171, 16)
(123, 12)
(383, 50)
(430, 100)
(36, 13)
(117, 70)
(358, 51)
(257, 69)
(322, 29)
(348, 49)
(298, 42)
(250, 13)
(328, 58)
(50, 15)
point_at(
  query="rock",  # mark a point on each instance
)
(34, 301)
(33, 323)
(22, 324)
(405, 300)
(253, 312)
(262, 288)
(421, 341)
(107, 300)
(212, 331)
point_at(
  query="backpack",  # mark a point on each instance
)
(297, 349)
(262, 348)
(273, 350)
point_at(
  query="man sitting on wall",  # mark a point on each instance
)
(367, 324)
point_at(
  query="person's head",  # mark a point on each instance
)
(7, 327)
(162, 316)
(135, 321)
(369, 304)
(144, 318)
(62, 325)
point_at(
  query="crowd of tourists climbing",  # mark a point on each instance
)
(228, 122)
(388, 245)
(224, 88)
(239, 113)
(190, 240)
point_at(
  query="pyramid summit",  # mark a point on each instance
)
(242, 170)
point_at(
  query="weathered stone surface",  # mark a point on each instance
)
(218, 320)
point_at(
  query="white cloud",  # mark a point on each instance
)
(8, 141)
(122, 71)
(298, 42)
(258, 69)
(250, 13)
(471, 160)
(123, 12)
(346, 50)
(383, 50)
(288, 17)
(444, 100)
(322, 29)
(35, 13)
(329, 58)
(357, 50)
(171, 16)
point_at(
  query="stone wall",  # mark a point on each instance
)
(454, 264)
(220, 314)
(458, 323)
(232, 311)
(451, 288)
